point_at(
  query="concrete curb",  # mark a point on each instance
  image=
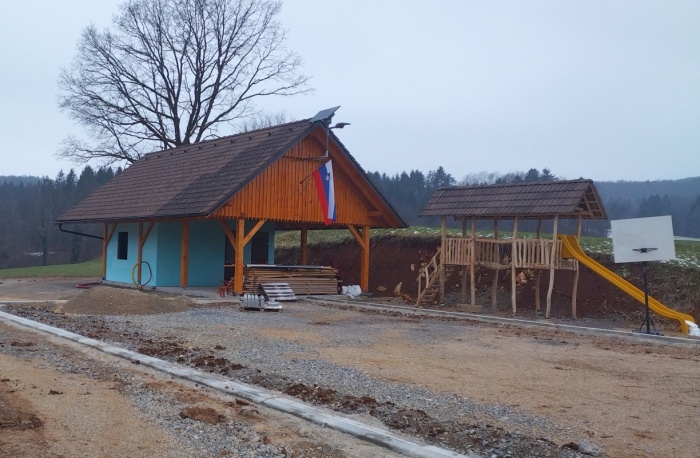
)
(324, 417)
(629, 335)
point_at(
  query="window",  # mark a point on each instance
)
(123, 245)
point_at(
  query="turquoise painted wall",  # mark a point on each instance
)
(169, 241)
(206, 264)
(119, 270)
(162, 252)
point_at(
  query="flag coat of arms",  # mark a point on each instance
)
(323, 178)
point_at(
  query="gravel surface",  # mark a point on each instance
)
(243, 346)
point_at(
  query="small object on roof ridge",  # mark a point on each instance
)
(325, 115)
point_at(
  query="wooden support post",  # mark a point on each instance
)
(443, 238)
(363, 240)
(304, 256)
(463, 291)
(143, 236)
(184, 253)
(494, 288)
(239, 248)
(471, 263)
(552, 260)
(537, 271)
(139, 254)
(104, 250)
(107, 233)
(576, 272)
(364, 267)
(513, 285)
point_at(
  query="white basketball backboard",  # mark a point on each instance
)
(643, 239)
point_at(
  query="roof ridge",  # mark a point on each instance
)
(227, 137)
(525, 183)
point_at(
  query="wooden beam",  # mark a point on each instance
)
(364, 266)
(357, 235)
(472, 261)
(139, 255)
(362, 239)
(304, 242)
(494, 287)
(443, 240)
(143, 236)
(105, 241)
(463, 292)
(229, 233)
(513, 286)
(538, 273)
(253, 231)
(184, 253)
(552, 260)
(576, 272)
(239, 248)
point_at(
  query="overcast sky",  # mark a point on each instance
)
(608, 90)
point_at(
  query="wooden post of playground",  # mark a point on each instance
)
(463, 292)
(472, 259)
(512, 266)
(538, 271)
(576, 272)
(494, 288)
(443, 240)
(552, 259)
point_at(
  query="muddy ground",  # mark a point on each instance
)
(397, 260)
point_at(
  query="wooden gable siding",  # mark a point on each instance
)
(285, 191)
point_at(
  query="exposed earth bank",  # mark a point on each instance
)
(396, 259)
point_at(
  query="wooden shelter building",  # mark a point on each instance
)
(552, 200)
(177, 209)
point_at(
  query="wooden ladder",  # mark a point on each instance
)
(429, 293)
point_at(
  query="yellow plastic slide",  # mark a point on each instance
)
(572, 249)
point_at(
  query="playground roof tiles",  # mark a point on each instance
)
(565, 199)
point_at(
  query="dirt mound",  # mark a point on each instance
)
(107, 300)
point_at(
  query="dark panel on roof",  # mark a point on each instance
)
(547, 199)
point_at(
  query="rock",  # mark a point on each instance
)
(381, 289)
(590, 448)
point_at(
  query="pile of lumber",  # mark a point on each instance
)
(304, 280)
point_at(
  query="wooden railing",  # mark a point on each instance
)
(500, 253)
(458, 251)
(536, 253)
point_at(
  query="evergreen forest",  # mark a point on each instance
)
(30, 205)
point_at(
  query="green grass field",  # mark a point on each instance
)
(85, 269)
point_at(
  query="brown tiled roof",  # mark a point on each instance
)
(547, 199)
(190, 180)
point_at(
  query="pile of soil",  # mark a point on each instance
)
(108, 300)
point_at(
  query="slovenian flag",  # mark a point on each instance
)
(323, 177)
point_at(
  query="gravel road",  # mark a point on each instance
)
(494, 390)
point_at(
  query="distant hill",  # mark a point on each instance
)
(12, 179)
(638, 190)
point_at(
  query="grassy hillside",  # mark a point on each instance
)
(85, 269)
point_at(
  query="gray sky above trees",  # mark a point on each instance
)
(603, 90)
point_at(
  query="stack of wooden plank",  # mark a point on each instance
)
(303, 280)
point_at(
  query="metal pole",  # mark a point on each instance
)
(646, 297)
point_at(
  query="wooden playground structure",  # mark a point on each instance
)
(554, 200)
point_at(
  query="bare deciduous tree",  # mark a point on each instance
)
(172, 73)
